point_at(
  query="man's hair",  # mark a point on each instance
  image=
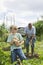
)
(30, 24)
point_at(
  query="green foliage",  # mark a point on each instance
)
(39, 29)
(3, 33)
(5, 55)
(6, 60)
(3, 58)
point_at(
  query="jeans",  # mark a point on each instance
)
(19, 53)
(27, 44)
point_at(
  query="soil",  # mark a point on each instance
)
(32, 56)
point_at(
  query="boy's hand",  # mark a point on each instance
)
(20, 43)
(11, 43)
(16, 41)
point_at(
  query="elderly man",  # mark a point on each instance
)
(30, 32)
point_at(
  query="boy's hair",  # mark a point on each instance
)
(13, 27)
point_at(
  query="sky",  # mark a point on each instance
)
(23, 11)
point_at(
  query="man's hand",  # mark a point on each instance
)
(26, 34)
(31, 41)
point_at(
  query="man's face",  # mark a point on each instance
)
(30, 26)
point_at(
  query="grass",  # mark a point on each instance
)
(33, 61)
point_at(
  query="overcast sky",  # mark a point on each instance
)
(25, 11)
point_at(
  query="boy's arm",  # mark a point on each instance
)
(14, 41)
(18, 43)
(11, 43)
(21, 42)
(9, 40)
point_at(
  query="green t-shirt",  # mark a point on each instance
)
(10, 38)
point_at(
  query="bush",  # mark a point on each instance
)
(39, 29)
(3, 33)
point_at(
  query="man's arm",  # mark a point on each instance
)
(33, 34)
(25, 31)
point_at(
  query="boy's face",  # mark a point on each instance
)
(14, 30)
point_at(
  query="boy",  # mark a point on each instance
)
(16, 41)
